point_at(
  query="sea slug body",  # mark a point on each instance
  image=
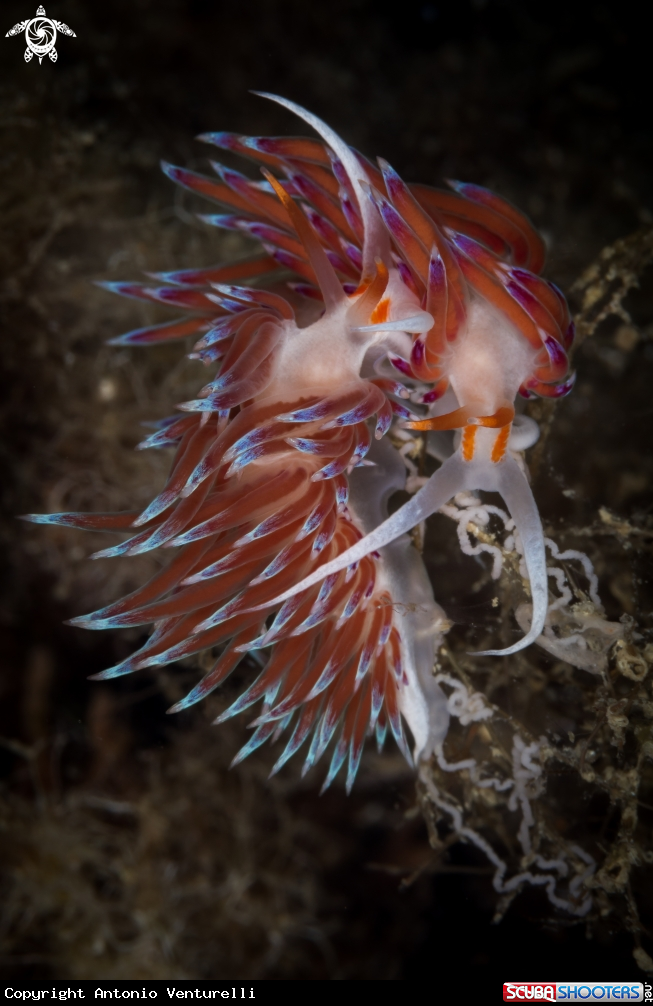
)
(409, 303)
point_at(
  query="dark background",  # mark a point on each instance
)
(129, 850)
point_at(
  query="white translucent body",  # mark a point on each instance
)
(419, 620)
(489, 360)
(328, 354)
(486, 365)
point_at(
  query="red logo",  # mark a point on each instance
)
(574, 992)
(529, 992)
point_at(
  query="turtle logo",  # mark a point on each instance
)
(40, 35)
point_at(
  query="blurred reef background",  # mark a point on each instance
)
(127, 848)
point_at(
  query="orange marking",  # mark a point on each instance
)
(467, 444)
(451, 421)
(304, 230)
(372, 293)
(319, 263)
(380, 312)
(503, 417)
(500, 444)
(464, 416)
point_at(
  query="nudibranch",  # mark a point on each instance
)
(276, 505)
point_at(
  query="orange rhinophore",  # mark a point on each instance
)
(274, 511)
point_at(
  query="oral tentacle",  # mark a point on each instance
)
(452, 477)
(376, 242)
(445, 483)
(518, 497)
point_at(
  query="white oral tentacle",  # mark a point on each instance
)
(376, 242)
(417, 323)
(453, 476)
(445, 483)
(519, 499)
